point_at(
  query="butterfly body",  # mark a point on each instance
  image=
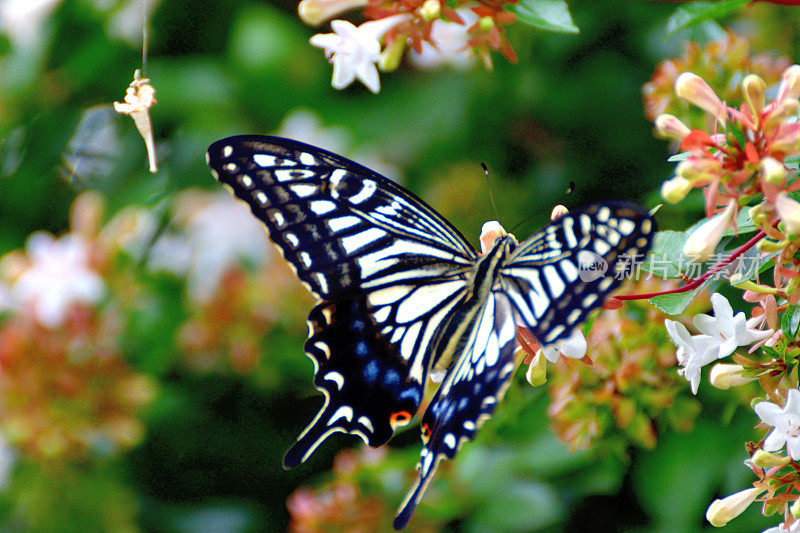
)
(400, 291)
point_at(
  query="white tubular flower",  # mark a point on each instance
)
(786, 424)
(315, 12)
(355, 50)
(789, 211)
(720, 512)
(694, 352)
(537, 369)
(704, 240)
(452, 48)
(573, 346)
(58, 277)
(693, 88)
(727, 330)
(725, 375)
(772, 171)
(781, 528)
(671, 126)
(755, 93)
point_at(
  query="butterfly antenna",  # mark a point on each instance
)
(569, 190)
(491, 192)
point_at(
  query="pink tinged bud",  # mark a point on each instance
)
(764, 459)
(773, 171)
(537, 370)
(697, 168)
(704, 240)
(789, 211)
(790, 84)
(755, 93)
(670, 126)
(675, 189)
(724, 376)
(720, 512)
(558, 212)
(315, 12)
(430, 10)
(490, 232)
(694, 89)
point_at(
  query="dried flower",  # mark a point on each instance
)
(139, 98)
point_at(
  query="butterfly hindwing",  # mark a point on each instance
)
(467, 396)
(565, 271)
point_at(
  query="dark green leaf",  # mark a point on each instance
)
(551, 15)
(696, 12)
(790, 321)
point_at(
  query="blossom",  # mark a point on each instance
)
(727, 330)
(789, 211)
(449, 44)
(315, 12)
(703, 241)
(720, 512)
(675, 189)
(355, 50)
(58, 277)
(573, 346)
(693, 88)
(694, 351)
(724, 376)
(671, 126)
(782, 528)
(786, 424)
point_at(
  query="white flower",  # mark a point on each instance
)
(727, 330)
(305, 125)
(451, 47)
(573, 346)
(315, 12)
(786, 424)
(780, 528)
(355, 50)
(694, 352)
(58, 277)
(22, 20)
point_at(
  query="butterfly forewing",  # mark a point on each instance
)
(565, 271)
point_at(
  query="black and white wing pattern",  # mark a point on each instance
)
(386, 268)
(400, 290)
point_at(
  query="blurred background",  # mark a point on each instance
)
(158, 376)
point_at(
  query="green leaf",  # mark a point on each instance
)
(790, 321)
(674, 304)
(696, 12)
(551, 15)
(666, 257)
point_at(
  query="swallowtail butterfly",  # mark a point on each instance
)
(400, 291)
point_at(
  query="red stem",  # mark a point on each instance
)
(699, 281)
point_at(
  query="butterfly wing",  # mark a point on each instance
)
(386, 268)
(468, 395)
(565, 271)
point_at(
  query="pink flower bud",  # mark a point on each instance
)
(315, 12)
(696, 168)
(725, 375)
(790, 84)
(720, 512)
(693, 88)
(558, 212)
(671, 126)
(755, 93)
(704, 240)
(787, 138)
(490, 232)
(676, 189)
(789, 211)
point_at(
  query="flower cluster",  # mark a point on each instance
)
(625, 392)
(745, 163)
(438, 33)
(722, 62)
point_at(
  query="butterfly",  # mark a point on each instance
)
(401, 292)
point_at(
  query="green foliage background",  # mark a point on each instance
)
(569, 111)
